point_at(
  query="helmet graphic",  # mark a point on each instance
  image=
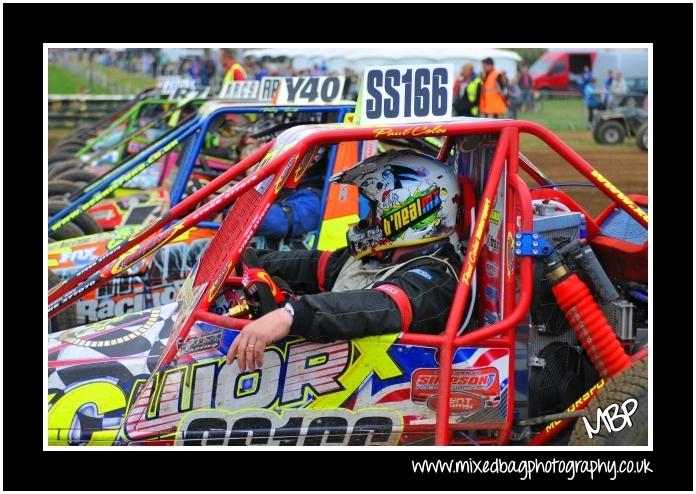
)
(413, 197)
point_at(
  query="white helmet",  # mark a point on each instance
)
(414, 199)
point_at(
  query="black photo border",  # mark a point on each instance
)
(27, 26)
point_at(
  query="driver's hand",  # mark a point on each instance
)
(251, 343)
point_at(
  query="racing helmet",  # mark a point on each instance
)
(414, 199)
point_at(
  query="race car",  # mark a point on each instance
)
(549, 318)
(155, 280)
(214, 129)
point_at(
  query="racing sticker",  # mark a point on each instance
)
(298, 374)
(411, 212)
(406, 93)
(358, 392)
(365, 427)
(490, 280)
(101, 338)
(471, 389)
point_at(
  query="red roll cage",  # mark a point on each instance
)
(284, 162)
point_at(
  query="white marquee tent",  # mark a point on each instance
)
(357, 57)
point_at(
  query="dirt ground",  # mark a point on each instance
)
(626, 167)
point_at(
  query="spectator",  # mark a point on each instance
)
(526, 85)
(164, 61)
(586, 77)
(146, 63)
(194, 69)
(231, 68)
(350, 91)
(207, 71)
(618, 90)
(514, 98)
(493, 92)
(591, 101)
(155, 65)
(183, 66)
(261, 71)
(607, 86)
(467, 93)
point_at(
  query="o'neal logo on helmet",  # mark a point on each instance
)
(416, 209)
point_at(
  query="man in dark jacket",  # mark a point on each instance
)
(398, 273)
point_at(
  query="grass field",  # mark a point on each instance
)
(559, 114)
(61, 81)
(136, 82)
(569, 118)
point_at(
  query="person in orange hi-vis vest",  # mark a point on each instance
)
(493, 92)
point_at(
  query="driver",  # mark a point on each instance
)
(398, 272)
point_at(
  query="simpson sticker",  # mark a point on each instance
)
(471, 389)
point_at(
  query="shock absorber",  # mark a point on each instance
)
(585, 316)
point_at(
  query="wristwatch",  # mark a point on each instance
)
(291, 310)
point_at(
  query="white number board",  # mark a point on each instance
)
(179, 88)
(400, 94)
(169, 84)
(188, 94)
(287, 90)
(240, 90)
(310, 90)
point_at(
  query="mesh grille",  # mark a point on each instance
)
(237, 219)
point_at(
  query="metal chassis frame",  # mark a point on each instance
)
(500, 334)
(132, 131)
(197, 124)
(130, 116)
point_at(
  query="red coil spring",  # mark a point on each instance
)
(591, 326)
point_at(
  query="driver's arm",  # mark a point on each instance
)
(305, 271)
(416, 298)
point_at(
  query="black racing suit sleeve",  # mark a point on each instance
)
(300, 268)
(430, 288)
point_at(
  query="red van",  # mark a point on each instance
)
(560, 70)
